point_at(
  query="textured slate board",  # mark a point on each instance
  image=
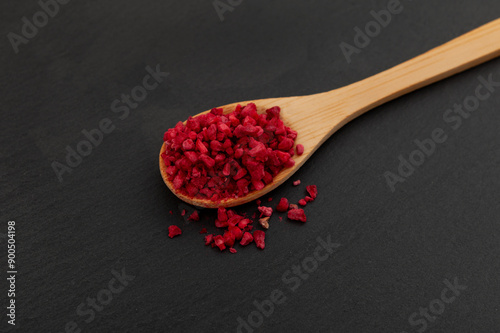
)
(112, 211)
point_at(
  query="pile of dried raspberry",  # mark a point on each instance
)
(216, 156)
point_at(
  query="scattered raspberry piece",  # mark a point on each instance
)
(254, 215)
(221, 214)
(281, 219)
(219, 242)
(247, 239)
(308, 199)
(258, 202)
(283, 205)
(228, 238)
(265, 211)
(209, 239)
(293, 206)
(183, 212)
(270, 199)
(297, 215)
(232, 250)
(300, 149)
(203, 231)
(194, 216)
(296, 183)
(259, 237)
(173, 231)
(243, 223)
(171, 213)
(312, 190)
(236, 232)
(302, 202)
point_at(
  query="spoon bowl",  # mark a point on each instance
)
(316, 117)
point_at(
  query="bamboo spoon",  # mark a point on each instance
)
(317, 117)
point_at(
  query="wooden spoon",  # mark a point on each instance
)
(317, 117)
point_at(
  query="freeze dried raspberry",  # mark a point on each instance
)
(236, 232)
(243, 223)
(183, 212)
(194, 216)
(269, 199)
(219, 242)
(308, 199)
(302, 202)
(296, 183)
(203, 231)
(283, 205)
(312, 190)
(173, 231)
(258, 202)
(209, 239)
(281, 219)
(228, 238)
(297, 215)
(265, 211)
(259, 237)
(232, 250)
(221, 214)
(293, 206)
(300, 149)
(247, 239)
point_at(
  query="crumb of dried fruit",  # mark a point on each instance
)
(173, 231)
(312, 190)
(293, 206)
(203, 231)
(308, 199)
(232, 250)
(246, 239)
(243, 223)
(302, 202)
(194, 216)
(264, 222)
(209, 239)
(237, 232)
(283, 205)
(228, 238)
(300, 149)
(281, 219)
(219, 242)
(259, 238)
(297, 215)
(265, 211)
(221, 214)
(258, 202)
(171, 213)
(270, 199)
(296, 183)
(183, 212)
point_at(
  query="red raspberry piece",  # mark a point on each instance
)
(297, 215)
(173, 231)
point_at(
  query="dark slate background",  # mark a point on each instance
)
(112, 211)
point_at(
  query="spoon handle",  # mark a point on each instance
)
(460, 54)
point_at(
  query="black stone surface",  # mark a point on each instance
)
(112, 211)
